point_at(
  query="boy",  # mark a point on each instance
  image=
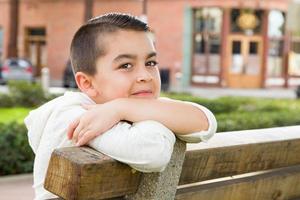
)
(118, 111)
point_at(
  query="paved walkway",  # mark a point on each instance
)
(16, 187)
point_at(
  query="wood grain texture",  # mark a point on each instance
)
(205, 164)
(83, 173)
(279, 184)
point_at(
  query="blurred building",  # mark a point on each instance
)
(224, 43)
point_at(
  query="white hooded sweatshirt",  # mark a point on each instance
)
(145, 146)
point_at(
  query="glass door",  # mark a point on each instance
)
(245, 60)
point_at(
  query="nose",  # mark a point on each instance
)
(144, 75)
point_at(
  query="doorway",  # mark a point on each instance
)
(245, 61)
(35, 48)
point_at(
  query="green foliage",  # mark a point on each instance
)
(16, 154)
(243, 113)
(26, 94)
(256, 120)
(220, 105)
(6, 100)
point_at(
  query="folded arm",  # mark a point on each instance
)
(146, 146)
(182, 118)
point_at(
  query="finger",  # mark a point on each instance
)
(82, 132)
(78, 129)
(87, 106)
(71, 128)
(88, 136)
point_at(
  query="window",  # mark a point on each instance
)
(207, 41)
(294, 57)
(36, 48)
(275, 52)
(36, 31)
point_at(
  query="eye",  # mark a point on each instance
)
(152, 63)
(125, 66)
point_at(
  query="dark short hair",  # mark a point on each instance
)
(87, 43)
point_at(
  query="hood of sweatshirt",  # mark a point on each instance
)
(37, 120)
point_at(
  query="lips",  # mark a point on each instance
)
(143, 93)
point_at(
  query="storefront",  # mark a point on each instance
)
(221, 43)
(243, 48)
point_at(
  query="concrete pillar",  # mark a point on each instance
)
(45, 79)
(158, 186)
(187, 48)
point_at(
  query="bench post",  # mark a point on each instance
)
(155, 186)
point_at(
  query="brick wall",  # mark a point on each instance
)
(4, 24)
(61, 18)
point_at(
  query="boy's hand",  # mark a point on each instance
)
(98, 119)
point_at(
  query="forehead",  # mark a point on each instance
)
(128, 42)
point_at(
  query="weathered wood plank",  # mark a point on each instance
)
(152, 185)
(115, 198)
(263, 149)
(276, 184)
(90, 174)
(83, 173)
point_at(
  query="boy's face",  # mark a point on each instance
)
(128, 69)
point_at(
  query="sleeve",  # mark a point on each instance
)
(54, 136)
(201, 135)
(146, 146)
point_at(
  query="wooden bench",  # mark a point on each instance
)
(245, 165)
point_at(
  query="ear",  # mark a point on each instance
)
(84, 82)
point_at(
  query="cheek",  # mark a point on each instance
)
(157, 82)
(156, 76)
(120, 87)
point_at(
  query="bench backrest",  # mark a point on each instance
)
(204, 171)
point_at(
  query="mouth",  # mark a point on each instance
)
(143, 93)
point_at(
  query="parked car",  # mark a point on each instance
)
(68, 78)
(17, 69)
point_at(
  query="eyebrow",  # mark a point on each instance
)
(131, 56)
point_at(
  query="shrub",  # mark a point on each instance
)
(22, 93)
(257, 120)
(6, 100)
(26, 94)
(238, 104)
(220, 105)
(242, 113)
(16, 154)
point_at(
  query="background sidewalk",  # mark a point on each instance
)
(17, 187)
